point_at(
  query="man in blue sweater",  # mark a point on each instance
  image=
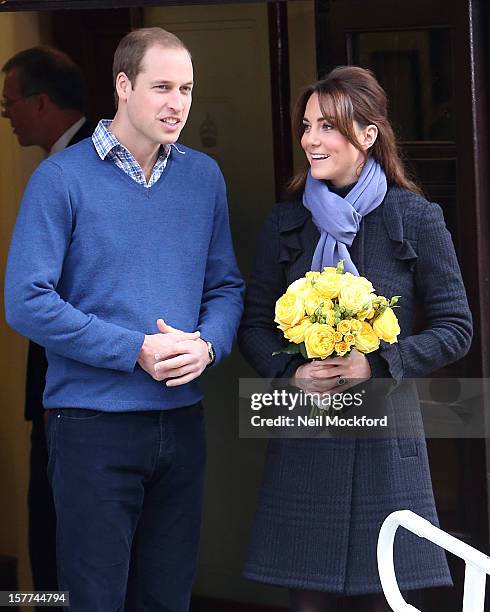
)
(121, 265)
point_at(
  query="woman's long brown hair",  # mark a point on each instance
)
(348, 94)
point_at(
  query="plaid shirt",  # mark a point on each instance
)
(107, 145)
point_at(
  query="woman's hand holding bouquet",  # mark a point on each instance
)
(334, 319)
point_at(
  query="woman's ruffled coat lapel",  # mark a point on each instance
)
(299, 235)
(292, 240)
(396, 228)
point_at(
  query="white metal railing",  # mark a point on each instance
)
(477, 564)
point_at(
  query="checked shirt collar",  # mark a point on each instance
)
(107, 145)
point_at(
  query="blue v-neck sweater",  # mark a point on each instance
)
(96, 259)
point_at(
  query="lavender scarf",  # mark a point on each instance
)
(338, 219)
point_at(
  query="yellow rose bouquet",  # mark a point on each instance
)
(329, 313)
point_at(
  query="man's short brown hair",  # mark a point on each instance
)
(132, 48)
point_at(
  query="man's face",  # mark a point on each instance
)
(21, 110)
(159, 99)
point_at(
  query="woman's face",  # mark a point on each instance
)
(332, 157)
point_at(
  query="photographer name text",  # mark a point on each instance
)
(321, 420)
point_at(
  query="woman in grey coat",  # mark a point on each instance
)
(322, 501)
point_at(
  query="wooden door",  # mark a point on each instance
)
(427, 57)
(90, 37)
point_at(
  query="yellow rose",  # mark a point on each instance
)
(313, 300)
(290, 310)
(350, 339)
(344, 326)
(312, 276)
(297, 333)
(341, 348)
(359, 281)
(328, 283)
(337, 337)
(366, 313)
(366, 340)
(386, 326)
(319, 341)
(379, 301)
(355, 326)
(356, 294)
(299, 287)
(327, 317)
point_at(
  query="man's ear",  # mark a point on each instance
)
(42, 102)
(370, 135)
(123, 86)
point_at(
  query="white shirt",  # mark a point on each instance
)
(65, 138)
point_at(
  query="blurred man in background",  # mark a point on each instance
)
(44, 99)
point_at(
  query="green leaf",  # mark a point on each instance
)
(291, 349)
(302, 350)
(379, 312)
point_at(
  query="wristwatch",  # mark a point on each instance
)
(211, 353)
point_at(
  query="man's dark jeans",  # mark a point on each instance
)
(128, 494)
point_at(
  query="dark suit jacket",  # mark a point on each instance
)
(37, 363)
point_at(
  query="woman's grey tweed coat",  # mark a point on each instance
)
(322, 501)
